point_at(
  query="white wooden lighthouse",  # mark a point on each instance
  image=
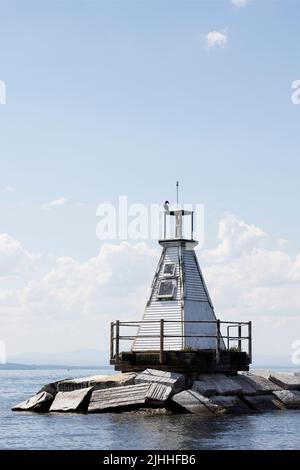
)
(178, 296)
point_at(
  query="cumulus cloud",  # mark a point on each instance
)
(216, 38)
(235, 237)
(240, 3)
(59, 202)
(69, 304)
(14, 259)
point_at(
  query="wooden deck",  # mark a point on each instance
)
(202, 361)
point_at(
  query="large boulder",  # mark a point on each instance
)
(40, 403)
(172, 379)
(75, 401)
(190, 401)
(286, 381)
(118, 398)
(99, 382)
(216, 384)
(290, 398)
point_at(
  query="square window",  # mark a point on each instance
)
(169, 269)
(166, 289)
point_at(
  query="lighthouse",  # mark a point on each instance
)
(179, 295)
(179, 330)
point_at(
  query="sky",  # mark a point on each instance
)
(122, 98)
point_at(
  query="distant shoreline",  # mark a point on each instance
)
(17, 366)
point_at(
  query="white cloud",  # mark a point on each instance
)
(216, 38)
(69, 304)
(59, 202)
(235, 237)
(240, 3)
(14, 259)
(9, 189)
(282, 242)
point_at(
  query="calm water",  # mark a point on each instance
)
(272, 430)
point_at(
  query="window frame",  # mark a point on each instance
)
(167, 296)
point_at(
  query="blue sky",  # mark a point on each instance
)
(108, 98)
(114, 98)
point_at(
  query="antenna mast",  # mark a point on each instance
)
(177, 189)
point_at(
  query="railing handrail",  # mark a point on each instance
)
(116, 336)
(182, 321)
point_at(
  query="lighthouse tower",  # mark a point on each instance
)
(179, 295)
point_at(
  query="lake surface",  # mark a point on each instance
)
(19, 430)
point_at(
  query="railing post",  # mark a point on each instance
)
(161, 346)
(117, 340)
(218, 342)
(239, 337)
(111, 340)
(250, 341)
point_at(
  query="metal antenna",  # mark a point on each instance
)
(177, 189)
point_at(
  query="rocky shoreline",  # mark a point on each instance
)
(159, 392)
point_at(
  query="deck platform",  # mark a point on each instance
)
(189, 362)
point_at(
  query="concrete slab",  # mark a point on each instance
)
(230, 404)
(158, 394)
(118, 398)
(40, 403)
(216, 384)
(261, 384)
(263, 402)
(286, 381)
(290, 398)
(75, 401)
(172, 379)
(246, 385)
(190, 401)
(99, 382)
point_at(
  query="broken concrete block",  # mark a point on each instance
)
(263, 402)
(40, 402)
(286, 381)
(118, 398)
(216, 384)
(172, 379)
(190, 401)
(158, 394)
(261, 384)
(247, 386)
(96, 381)
(50, 388)
(230, 404)
(290, 398)
(77, 400)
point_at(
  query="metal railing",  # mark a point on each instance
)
(220, 339)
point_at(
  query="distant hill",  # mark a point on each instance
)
(79, 358)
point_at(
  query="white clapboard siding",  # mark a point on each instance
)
(191, 302)
(158, 309)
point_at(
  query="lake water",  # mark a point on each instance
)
(19, 430)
